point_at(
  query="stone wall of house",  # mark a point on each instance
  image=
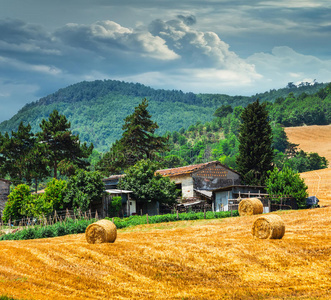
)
(186, 181)
(213, 177)
(4, 192)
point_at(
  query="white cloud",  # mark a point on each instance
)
(22, 66)
(284, 64)
(107, 36)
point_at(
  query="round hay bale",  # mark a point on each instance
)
(250, 206)
(268, 227)
(103, 231)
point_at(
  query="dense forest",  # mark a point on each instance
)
(97, 109)
(218, 139)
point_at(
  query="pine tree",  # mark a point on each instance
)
(138, 142)
(61, 144)
(21, 156)
(255, 149)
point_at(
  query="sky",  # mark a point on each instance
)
(234, 47)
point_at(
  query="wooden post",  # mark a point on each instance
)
(90, 214)
(204, 213)
(112, 219)
(96, 215)
(147, 218)
(177, 215)
(269, 205)
(141, 212)
(55, 216)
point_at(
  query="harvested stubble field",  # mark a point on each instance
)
(205, 259)
(319, 184)
(312, 139)
(315, 139)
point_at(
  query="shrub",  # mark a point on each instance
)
(71, 226)
(286, 183)
(19, 198)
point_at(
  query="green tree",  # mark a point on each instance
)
(148, 186)
(62, 145)
(280, 140)
(22, 157)
(138, 142)
(287, 183)
(115, 206)
(54, 193)
(18, 198)
(223, 111)
(83, 188)
(173, 161)
(255, 144)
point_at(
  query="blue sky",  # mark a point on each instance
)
(235, 47)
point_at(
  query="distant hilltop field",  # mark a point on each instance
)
(315, 139)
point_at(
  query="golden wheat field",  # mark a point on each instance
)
(315, 139)
(206, 259)
(319, 184)
(312, 139)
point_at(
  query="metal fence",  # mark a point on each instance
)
(56, 216)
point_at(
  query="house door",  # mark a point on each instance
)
(133, 209)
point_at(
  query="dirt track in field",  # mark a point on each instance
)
(207, 259)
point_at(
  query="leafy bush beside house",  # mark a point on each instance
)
(83, 188)
(148, 186)
(286, 183)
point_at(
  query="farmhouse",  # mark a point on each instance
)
(4, 192)
(198, 181)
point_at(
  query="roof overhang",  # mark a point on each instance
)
(205, 193)
(115, 191)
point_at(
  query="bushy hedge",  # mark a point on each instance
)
(71, 226)
(138, 220)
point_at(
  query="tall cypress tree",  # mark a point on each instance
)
(255, 149)
(138, 142)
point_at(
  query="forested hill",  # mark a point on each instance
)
(97, 109)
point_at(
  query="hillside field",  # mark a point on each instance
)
(312, 139)
(315, 139)
(206, 259)
(319, 184)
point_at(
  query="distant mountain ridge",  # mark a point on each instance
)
(96, 109)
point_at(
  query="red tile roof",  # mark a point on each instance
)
(185, 170)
